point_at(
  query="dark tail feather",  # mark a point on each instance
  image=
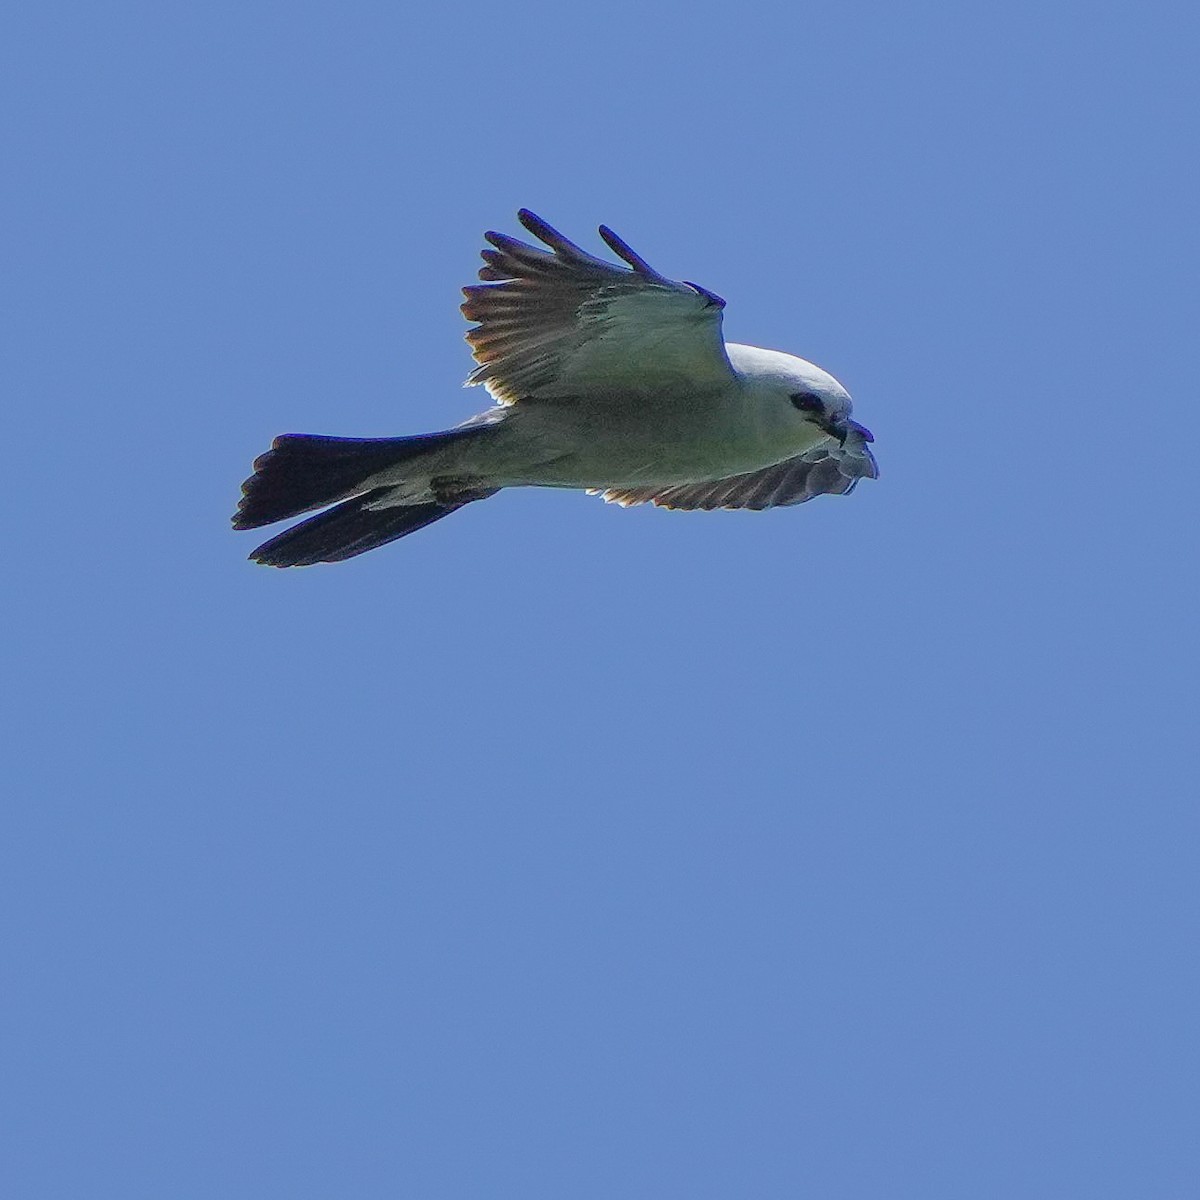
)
(352, 528)
(304, 471)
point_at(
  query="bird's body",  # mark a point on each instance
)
(611, 380)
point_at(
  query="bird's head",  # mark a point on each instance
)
(813, 395)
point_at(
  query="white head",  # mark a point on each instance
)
(814, 395)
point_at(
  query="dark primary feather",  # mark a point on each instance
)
(624, 251)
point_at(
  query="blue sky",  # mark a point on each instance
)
(560, 850)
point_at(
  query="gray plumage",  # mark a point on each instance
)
(612, 379)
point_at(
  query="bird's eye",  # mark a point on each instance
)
(807, 402)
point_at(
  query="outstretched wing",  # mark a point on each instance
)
(823, 469)
(561, 322)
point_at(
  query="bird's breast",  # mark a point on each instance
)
(641, 442)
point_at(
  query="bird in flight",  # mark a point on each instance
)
(612, 379)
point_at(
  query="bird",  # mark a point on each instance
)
(611, 379)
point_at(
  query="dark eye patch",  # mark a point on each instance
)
(807, 402)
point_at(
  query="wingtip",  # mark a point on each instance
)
(539, 228)
(624, 251)
(537, 225)
(562, 245)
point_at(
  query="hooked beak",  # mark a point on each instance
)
(841, 430)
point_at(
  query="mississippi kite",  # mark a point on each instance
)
(612, 379)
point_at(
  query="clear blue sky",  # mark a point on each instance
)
(560, 850)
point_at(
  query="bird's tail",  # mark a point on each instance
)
(354, 527)
(302, 472)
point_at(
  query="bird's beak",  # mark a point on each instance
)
(838, 430)
(841, 430)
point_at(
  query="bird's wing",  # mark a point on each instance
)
(828, 468)
(561, 322)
